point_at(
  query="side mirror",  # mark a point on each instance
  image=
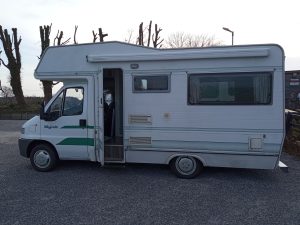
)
(48, 116)
(52, 116)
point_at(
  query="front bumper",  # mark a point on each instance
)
(23, 146)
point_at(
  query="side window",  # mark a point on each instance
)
(230, 89)
(153, 83)
(56, 105)
(73, 103)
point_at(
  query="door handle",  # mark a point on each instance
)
(82, 123)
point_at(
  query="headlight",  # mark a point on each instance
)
(22, 130)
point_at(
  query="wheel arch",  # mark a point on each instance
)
(37, 142)
(185, 154)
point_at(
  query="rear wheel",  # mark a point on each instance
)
(186, 167)
(43, 158)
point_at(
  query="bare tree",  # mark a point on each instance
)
(45, 36)
(11, 46)
(58, 39)
(185, 40)
(156, 37)
(45, 43)
(95, 36)
(140, 39)
(100, 34)
(149, 33)
(130, 34)
(153, 38)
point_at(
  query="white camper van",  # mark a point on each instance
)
(189, 108)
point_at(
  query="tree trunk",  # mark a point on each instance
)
(15, 82)
(47, 87)
(45, 43)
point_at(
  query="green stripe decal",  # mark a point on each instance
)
(77, 127)
(77, 141)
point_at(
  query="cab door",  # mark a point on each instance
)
(65, 125)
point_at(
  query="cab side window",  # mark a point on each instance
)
(55, 107)
(73, 102)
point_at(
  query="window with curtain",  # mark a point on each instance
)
(153, 83)
(230, 89)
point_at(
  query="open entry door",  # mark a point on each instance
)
(109, 116)
(99, 116)
(113, 115)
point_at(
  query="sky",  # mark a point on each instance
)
(253, 22)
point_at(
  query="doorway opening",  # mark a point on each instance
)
(113, 115)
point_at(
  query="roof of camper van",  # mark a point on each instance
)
(78, 58)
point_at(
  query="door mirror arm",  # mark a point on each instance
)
(42, 111)
(48, 116)
(51, 116)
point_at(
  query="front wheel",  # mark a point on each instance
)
(186, 167)
(43, 158)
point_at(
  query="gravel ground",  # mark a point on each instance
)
(84, 193)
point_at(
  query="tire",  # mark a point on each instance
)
(186, 167)
(43, 158)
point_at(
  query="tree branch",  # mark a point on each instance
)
(130, 33)
(149, 33)
(141, 35)
(4, 64)
(155, 37)
(61, 34)
(45, 37)
(102, 35)
(94, 36)
(17, 49)
(75, 32)
(42, 36)
(59, 37)
(5, 42)
(66, 41)
(8, 41)
(56, 37)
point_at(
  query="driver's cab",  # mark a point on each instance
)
(64, 122)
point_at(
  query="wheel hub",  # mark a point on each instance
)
(41, 158)
(186, 165)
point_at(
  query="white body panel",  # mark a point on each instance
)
(245, 136)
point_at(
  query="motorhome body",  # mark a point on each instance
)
(122, 103)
